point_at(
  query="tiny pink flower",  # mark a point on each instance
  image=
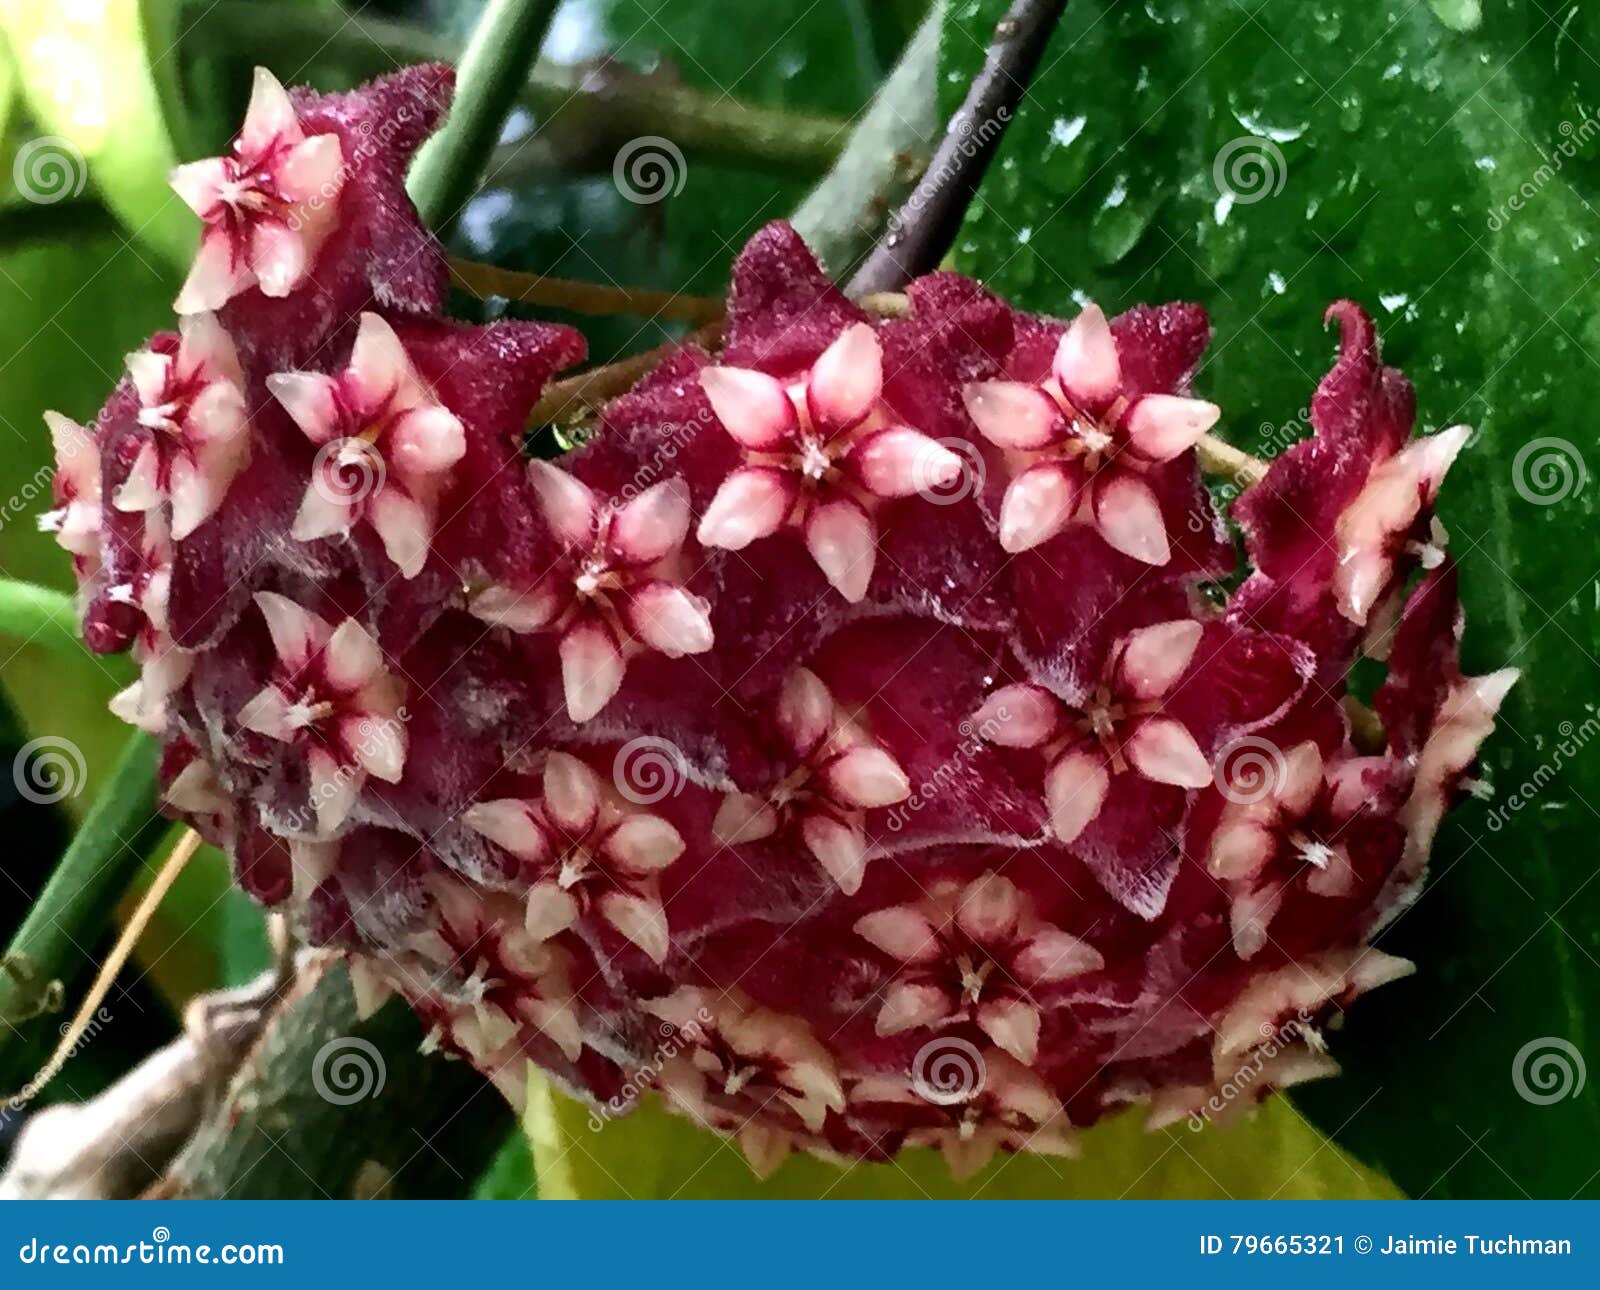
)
(586, 853)
(1119, 726)
(386, 447)
(616, 589)
(75, 520)
(972, 954)
(267, 208)
(331, 699)
(841, 774)
(192, 405)
(1080, 445)
(819, 450)
(163, 666)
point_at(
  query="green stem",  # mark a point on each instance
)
(76, 906)
(40, 615)
(504, 44)
(585, 114)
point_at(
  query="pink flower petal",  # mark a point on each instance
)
(509, 824)
(334, 789)
(527, 610)
(351, 657)
(216, 276)
(744, 817)
(865, 778)
(843, 541)
(569, 507)
(322, 514)
(1163, 750)
(669, 619)
(405, 528)
(378, 744)
(753, 407)
(1017, 716)
(1075, 789)
(199, 184)
(1152, 659)
(805, 711)
(642, 920)
(1239, 848)
(1012, 415)
(902, 932)
(269, 118)
(140, 490)
(267, 713)
(548, 911)
(571, 793)
(900, 462)
(1037, 505)
(278, 258)
(1128, 515)
(846, 380)
(591, 669)
(653, 525)
(1086, 364)
(751, 503)
(1054, 955)
(311, 400)
(1162, 425)
(838, 848)
(988, 908)
(296, 633)
(311, 172)
(1013, 1025)
(911, 1006)
(644, 844)
(427, 441)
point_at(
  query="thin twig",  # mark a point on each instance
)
(581, 394)
(926, 226)
(485, 280)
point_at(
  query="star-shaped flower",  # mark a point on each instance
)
(332, 700)
(163, 666)
(585, 852)
(191, 403)
(386, 446)
(267, 208)
(840, 775)
(75, 519)
(1080, 444)
(616, 589)
(819, 449)
(1120, 726)
(972, 953)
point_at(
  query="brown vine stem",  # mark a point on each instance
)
(180, 856)
(486, 280)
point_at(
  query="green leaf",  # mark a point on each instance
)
(650, 1155)
(1441, 171)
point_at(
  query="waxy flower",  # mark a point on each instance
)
(331, 700)
(585, 852)
(1080, 444)
(385, 445)
(973, 953)
(266, 208)
(840, 775)
(75, 519)
(163, 666)
(818, 449)
(1119, 727)
(191, 402)
(616, 588)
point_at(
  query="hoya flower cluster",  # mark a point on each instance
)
(857, 699)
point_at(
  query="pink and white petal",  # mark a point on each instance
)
(196, 494)
(216, 419)
(670, 619)
(744, 817)
(866, 777)
(220, 272)
(204, 346)
(548, 911)
(1017, 716)
(653, 525)
(1075, 789)
(591, 669)
(267, 713)
(311, 400)
(750, 503)
(559, 1022)
(805, 711)
(378, 745)
(405, 527)
(269, 119)
(1153, 658)
(334, 789)
(1250, 913)
(1301, 779)
(510, 824)
(1128, 515)
(150, 373)
(843, 541)
(966, 1156)
(1086, 364)
(753, 407)
(1013, 1025)
(379, 365)
(427, 441)
(1336, 878)
(1037, 505)
(278, 258)
(1163, 750)
(901, 462)
(644, 844)
(764, 1148)
(528, 610)
(840, 849)
(568, 505)
(323, 513)
(571, 793)
(296, 633)
(988, 908)
(1014, 416)
(141, 490)
(1054, 955)
(909, 1005)
(311, 169)
(1239, 847)
(903, 932)
(1161, 426)
(846, 380)
(641, 919)
(199, 184)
